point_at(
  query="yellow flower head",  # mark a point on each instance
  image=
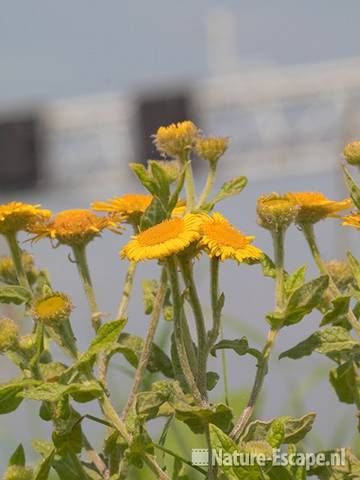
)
(222, 240)
(176, 139)
(351, 153)
(314, 206)
(164, 239)
(276, 212)
(352, 220)
(16, 216)
(211, 148)
(73, 227)
(128, 206)
(52, 309)
(9, 332)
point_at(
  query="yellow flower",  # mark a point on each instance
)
(351, 153)
(16, 216)
(222, 240)
(211, 148)
(164, 239)
(352, 221)
(131, 206)
(276, 211)
(314, 206)
(127, 206)
(176, 139)
(8, 334)
(53, 308)
(18, 472)
(73, 227)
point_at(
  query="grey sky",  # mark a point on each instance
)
(58, 49)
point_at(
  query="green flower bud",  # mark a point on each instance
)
(351, 153)
(17, 472)
(211, 148)
(8, 334)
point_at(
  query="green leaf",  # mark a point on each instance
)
(154, 214)
(350, 469)
(43, 469)
(197, 418)
(268, 266)
(353, 188)
(295, 280)
(338, 313)
(14, 294)
(105, 339)
(355, 267)
(300, 303)
(54, 392)
(228, 189)
(144, 177)
(295, 429)
(162, 180)
(280, 473)
(212, 379)
(344, 380)
(328, 341)
(9, 401)
(224, 444)
(239, 346)
(275, 436)
(132, 346)
(18, 457)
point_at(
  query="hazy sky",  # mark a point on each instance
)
(56, 49)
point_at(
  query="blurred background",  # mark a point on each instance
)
(83, 85)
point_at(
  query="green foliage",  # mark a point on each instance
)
(228, 189)
(14, 294)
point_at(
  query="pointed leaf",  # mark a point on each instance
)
(18, 457)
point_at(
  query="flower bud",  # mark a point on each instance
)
(211, 148)
(176, 139)
(8, 334)
(8, 273)
(52, 309)
(27, 344)
(18, 472)
(275, 212)
(351, 153)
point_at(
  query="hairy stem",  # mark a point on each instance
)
(83, 268)
(187, 272)
(210, 180)
(309, 234)
(190, 184)
(145, 354)
(16, 258)
(179, 330)
(262, 368)
(129, 281)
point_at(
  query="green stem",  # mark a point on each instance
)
(309, 234)
(179, 329)
(263, 364)
(210, 180)
(190, 185)
(225, 372)
(179, 457)
(16, 257)
(78, 466)
(146, 352)
(214, 295)
(83, 268)
(188, 275)
(129, 281)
